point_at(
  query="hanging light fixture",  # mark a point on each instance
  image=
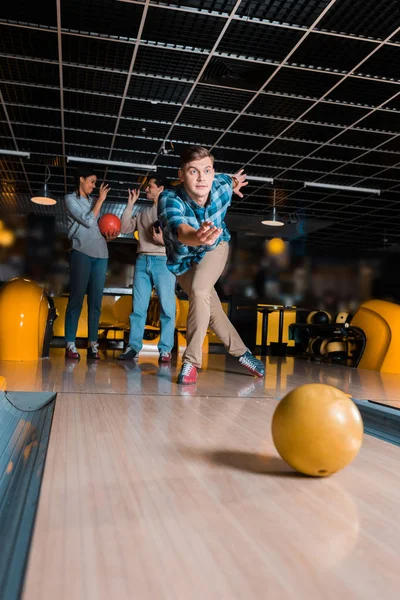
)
(43, 196)
(273, 218)
(346, 188)
(111, 163)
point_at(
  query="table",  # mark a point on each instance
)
(280, 346)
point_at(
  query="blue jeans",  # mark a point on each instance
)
(87, 275)
(152, 271)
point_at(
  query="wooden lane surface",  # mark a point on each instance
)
(176, 497)
(222, 376)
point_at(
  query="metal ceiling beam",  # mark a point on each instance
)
(15, 153)
(224, 55)
(299, 180)
(257, 21)
(374, 149)
(328, 142)
(111, 163)
(275, 24)
(255, 178)
(209, 108)
(366, 153)
(128, 78)
(366, 77)
(236, 132)
(327, 93)
(199, 75)
(282, 154)
(14, 140)
(393, 188)
(60, 72)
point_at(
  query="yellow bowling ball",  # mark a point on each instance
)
(317, 429)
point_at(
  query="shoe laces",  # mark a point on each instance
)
(187, 368)
(72, 348)
(248, 359)
(94, 347)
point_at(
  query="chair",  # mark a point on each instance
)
(380, 321)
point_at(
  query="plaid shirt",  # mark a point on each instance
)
(175, 207)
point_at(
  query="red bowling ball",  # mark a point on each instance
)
(108, 223)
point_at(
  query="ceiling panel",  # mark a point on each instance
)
(312, 121)
(363, 18)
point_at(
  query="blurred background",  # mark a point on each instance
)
(261, 269)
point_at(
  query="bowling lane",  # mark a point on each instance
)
(185, 497)
(221, 376)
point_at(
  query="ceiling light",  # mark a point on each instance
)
(111, 163)
(256, 178)
(264, 179)
(273, 219)
(15, 153)
(348, 188)
(44, 196)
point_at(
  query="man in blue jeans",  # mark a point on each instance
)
(150, 271)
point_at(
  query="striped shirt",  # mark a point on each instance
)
(175, 208)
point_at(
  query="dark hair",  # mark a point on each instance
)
(82, 172)
(195, 153)
(160, 181)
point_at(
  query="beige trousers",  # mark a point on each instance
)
(205, 309)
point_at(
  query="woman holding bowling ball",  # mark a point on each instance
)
(89, 259)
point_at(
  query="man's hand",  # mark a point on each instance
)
(111, 234)
(157, 237)
(240, 178)
(132, 197)
(104, 189)
(208, 234)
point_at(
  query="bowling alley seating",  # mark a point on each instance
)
(380, 321)
(371, 338)
(329, 339)
(180, 328)
(114, 321)
(27, 316)
(122, 308)
(268, 317)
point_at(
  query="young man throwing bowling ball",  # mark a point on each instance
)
(197, 243)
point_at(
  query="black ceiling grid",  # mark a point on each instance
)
(350, 141)
(294, 129)
(347, 75)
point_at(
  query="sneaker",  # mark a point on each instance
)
(72, 352)
(188, 374)
(165, 357)
(128, 354)
(252, 363)
(92, 352)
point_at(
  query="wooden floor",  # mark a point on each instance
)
(153, 491)
(221, 376)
